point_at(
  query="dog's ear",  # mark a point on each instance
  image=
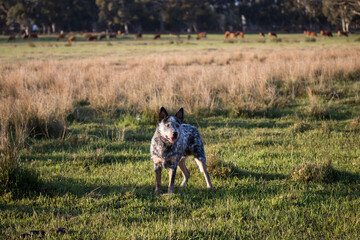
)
(180, 114)
(163, 114)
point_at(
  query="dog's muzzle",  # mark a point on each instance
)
(174, 137)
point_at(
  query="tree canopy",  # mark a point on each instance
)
(178, 15)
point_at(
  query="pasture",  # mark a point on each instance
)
(280, 120)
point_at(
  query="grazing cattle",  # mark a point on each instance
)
(138, 35)
(60, 36)
(261, 34)
(112, 35)
(86, 35)
(232, 35)
(102, 36)
(227, 34)
(313, 34)
(307, 33)
(119, 32)
(157, 36)
(201, 35)
(326, 33)
(188, 36)
(26, 36)
(272, 34)
(91, 38)
(11, 38)
(33, 35)
(341, 33)
(240, 34)
(71, 39)
(286, 30)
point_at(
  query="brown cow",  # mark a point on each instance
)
(286, 30)
(341, 33)
(91, 38)
(238, 33)
(71, 39)
(60, 36)
(11, 38)
(227, 34)
(112, 35)
(189, 36)
(138, 35)
(313, 34)
(201, 35)
(232, 35)
(329, 34)
(33, 35)
(102, 36)
(326, 33)
(272, 34)
(261, 34)
(307, 33)
(157, 36)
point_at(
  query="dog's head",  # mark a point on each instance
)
(169, 126)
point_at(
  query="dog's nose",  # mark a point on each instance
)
(175, 134)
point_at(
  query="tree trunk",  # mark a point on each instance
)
(195, 27)
(53, 27)
(126, 28)
(161, 23)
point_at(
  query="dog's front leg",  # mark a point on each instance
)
(157, 179)
(172, 174)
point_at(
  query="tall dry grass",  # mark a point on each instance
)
(38, 95)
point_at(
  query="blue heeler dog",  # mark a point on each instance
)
(171, 144)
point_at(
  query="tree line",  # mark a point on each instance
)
(49, 16)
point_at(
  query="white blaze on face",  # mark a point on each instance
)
(170, 129)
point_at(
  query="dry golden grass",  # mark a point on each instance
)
(41, 93)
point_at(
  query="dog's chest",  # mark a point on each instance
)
(167, 156)
(171, 153)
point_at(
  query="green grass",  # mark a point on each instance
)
(46, 47)
(98, 181)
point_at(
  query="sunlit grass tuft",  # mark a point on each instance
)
(314, 172)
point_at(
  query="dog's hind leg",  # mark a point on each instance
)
(184, 171)
(201, 162)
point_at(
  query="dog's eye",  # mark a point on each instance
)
(167, 125)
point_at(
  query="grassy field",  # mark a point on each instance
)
(280, 121)
(46, 47)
